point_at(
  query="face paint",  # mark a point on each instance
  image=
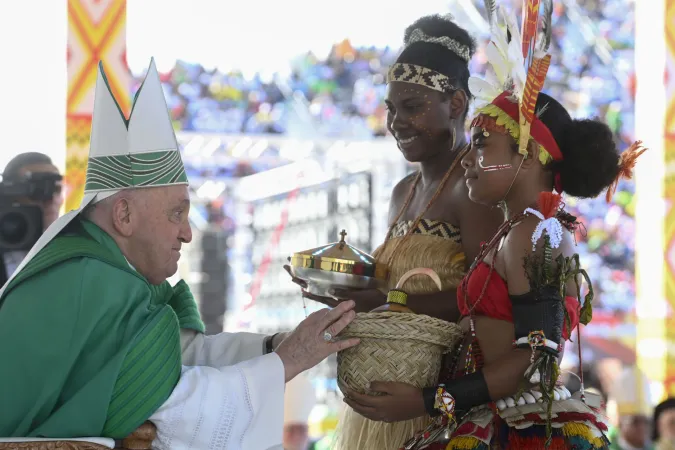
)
(493, 168)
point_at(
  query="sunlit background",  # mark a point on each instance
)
(279, 110)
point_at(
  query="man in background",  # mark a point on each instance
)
(663, 425)
(36, 168)
(629, 408)
(299, 400)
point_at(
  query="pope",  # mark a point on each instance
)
(95, 341)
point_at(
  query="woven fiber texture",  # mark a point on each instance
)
(444, 256)
(395, 347)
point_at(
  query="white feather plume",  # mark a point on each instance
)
(483, 90)
(499, 62)
(506, 70)
(512, 24)
(518, 73)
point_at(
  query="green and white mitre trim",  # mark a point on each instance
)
(135, 153)
(138, 152)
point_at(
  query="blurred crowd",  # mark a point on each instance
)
(344, 92)
(592, 67)
(343, 96)
(606, 243)
(638, 421)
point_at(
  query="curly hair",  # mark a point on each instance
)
(590, 157)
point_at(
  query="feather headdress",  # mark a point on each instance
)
(518, 63)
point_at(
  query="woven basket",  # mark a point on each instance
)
(395, 346)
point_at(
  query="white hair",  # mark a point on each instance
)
(89, 211)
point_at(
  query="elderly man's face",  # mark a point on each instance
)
(159, 229)
(296, 436)
(635, 429)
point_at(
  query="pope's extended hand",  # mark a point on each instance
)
(310, 343)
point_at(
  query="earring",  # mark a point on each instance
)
(486, 133)
(454, 138)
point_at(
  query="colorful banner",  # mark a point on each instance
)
(96, 32)
(669, 195)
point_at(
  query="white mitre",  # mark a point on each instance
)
(629, 395)
(138, 152)
(299, 400)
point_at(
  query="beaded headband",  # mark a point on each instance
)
(423, 76)
(463, 51)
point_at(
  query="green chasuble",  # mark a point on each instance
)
(87, 346)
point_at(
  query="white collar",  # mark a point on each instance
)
(125, 258)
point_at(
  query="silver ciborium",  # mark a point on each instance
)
(338, 265)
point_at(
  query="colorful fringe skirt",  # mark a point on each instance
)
(574, 425)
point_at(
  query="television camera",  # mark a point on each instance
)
(21, 223)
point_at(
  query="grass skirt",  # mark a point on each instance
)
(355, 432)
(445, 257)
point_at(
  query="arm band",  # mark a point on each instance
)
(268, 344)
(538, 319)
(468, 391)
(429, 395)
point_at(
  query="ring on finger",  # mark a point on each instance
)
(327, 336)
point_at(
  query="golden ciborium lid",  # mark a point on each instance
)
(338, 265)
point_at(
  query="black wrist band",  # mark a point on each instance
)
(469, 391)
(269, 343)
(429, 396)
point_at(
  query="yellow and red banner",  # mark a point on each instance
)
(96, 32)
(669, 194)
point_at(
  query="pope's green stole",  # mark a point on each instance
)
(152, 365)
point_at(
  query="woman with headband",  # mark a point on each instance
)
(521, 298)
(432, 222)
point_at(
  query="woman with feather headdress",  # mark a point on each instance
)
(432, 222)
(521, 299)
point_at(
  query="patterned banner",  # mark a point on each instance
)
(669, 194)
(96, 32)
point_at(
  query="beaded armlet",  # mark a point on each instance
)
(548, 280)
(539, 269)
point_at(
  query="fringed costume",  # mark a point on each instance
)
(543, 414)
(412, 244)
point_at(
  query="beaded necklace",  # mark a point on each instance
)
(473, 357)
